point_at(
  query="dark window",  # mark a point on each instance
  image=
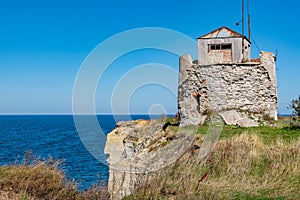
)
(226, 46)
(218, 46)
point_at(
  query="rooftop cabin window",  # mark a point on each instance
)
(219, 47)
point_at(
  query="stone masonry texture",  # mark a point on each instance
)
(245, 87)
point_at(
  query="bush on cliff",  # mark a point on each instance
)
(43, 180)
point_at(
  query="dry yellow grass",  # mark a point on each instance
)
(42, 180)
(239, 167)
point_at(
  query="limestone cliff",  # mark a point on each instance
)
(136, 150)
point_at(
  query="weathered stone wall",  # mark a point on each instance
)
(245, 87)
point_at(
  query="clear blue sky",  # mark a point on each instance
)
(43, 43)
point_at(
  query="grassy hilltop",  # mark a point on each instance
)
(246, 163)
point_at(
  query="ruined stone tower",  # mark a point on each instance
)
(227, 81)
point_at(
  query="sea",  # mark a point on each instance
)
(56, 137)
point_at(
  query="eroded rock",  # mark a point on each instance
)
(246, 122)
(137, 150)
(230, 117)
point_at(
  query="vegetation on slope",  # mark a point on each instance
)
(42, 180)
(246, 163)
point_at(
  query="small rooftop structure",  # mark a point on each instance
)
(223, 45)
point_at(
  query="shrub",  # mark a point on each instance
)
(36, 179)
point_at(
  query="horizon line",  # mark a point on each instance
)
(11, 114)
(2, 114)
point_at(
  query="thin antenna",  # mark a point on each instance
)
(243, 17)
(249, 26)
(248, 11)
(243, 26)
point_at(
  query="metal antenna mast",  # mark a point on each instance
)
(243, 26)
(248, 11)
(243, 17)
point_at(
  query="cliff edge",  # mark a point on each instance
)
(137, 149)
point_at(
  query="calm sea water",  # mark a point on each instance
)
(55, 136)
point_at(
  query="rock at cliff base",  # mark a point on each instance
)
(246, 122)
(230, 117)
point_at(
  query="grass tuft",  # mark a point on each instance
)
(36, 179)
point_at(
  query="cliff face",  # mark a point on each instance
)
(136, 150)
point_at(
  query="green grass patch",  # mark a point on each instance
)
(268, 134)
(239, 196)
